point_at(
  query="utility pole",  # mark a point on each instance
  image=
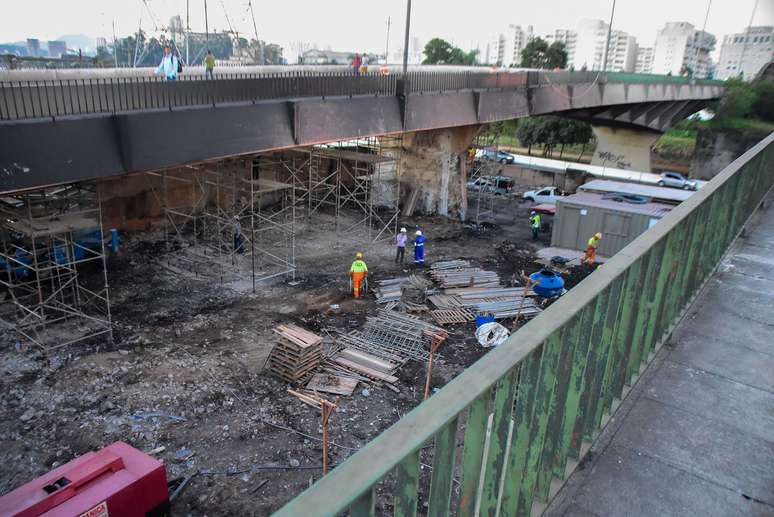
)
(406, 38)
(746, 38)
(387, 45)
(703, 39)
(115, 44)
(607, 41)
(206, 26)
(187, 28)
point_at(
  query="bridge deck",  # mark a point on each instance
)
(696, 435)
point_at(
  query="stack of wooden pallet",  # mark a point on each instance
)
(296, 354)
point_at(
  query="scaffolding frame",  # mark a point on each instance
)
(48, 236)
(347, 186)
(200, 233)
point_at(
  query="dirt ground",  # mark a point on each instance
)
(184, 375)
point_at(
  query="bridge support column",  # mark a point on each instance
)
(432, 170)
(623, 148)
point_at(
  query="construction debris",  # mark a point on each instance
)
(449, 316)
(465, 276)
(296, 354)
(330, 383)
(412, 289)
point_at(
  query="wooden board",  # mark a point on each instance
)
(330, 383)
(368, 372)
(368, 360)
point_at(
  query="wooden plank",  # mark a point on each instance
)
(368, 360)
(332, 384)
(365, 370)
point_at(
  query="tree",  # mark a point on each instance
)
(440, 52)
(763, 107)
(539, 54)
(551, 131)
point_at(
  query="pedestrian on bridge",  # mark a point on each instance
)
(209, 65)
(169, 65)
(356, 62)
(419, 249)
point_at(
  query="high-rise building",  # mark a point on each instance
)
(681, 49)
(569, 38)
(101, 42)
(588, 48)
(746, 52)
(33, 47)
(644, 61)
(57, 49)
(504, 48)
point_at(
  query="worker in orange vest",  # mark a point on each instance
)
(358, 272)
(591, 249)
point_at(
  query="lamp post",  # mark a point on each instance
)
(607, 40)
(406, 38)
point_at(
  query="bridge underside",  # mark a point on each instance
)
(55, 150)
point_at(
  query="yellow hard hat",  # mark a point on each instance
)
(598, 235)
(359, 255)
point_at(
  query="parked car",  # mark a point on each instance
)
(493, 155)
(677, 180)
(501, 185)
(544, 195)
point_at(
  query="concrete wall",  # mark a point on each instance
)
(623, 148)
(430, 163)
(715, 151)
(527, 177)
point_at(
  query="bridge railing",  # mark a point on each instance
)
(58, 98)
(38, 99)
(500, 433)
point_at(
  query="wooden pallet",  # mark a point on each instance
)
(330, 383)
(296, 355)
(450, 316)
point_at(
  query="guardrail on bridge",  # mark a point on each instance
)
(66, 97)
(554, 380)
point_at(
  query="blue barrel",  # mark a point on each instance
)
(549, 283)
(480, 320)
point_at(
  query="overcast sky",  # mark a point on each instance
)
(361, 24)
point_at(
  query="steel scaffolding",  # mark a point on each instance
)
(49, 237)
(357, 180)
(229, 222)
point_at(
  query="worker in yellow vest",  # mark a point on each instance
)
(358, 272)
(591, 249)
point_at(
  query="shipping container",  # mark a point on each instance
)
(581, 215)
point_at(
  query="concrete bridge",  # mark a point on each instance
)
(55, 131)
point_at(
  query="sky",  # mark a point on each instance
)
(361, 25)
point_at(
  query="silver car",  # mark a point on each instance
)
(677, 180)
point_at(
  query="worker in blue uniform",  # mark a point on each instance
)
(419, 249)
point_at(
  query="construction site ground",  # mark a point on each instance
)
(184, 376)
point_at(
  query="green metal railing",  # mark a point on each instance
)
(505, 430)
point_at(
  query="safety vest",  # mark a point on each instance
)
(535, 221)
(358, 266)
(419, 242)
(593, 242)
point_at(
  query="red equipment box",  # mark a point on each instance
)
(117, 481)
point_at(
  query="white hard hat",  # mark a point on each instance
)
(419, 232)
(402, 230)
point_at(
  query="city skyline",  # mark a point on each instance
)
(357, 26)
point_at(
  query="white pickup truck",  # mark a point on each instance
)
(544, 195)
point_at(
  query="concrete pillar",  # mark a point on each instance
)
(430, 165)
(623, 148)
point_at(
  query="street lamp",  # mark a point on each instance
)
(406, 38)
(607, 41)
